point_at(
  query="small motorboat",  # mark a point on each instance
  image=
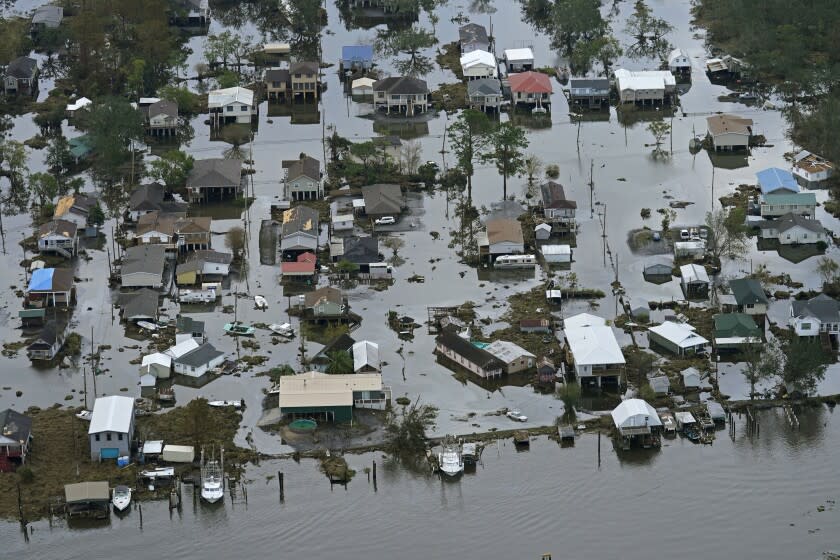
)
(225, 404)
(85, 415)
(237, 328)
(260, 303)
(450, 461)
(147, 325)
(516, 415)
(121, 497)
(282, 329)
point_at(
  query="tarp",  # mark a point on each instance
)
(42, 280)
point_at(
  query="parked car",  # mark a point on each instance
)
(684, 235)
(704, 233)
(385, 221)
(516, 415)
(656, 236)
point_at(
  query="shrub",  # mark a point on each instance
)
(25, 474)
(552, 171)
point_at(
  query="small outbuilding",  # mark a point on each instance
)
(695, 281)
(519, 60)
(554, 254)
(111, 428)
(690, 378)
(661, 385)
(542, 232)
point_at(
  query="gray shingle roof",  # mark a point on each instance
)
(147, 258)
(146, 197)
(747, 291)
(305, 166)
(401, 85)
(300, 219)
(212, 256)
(823, 307)
(163, 107)
(472, 32)
(589, 86)
(789, 221)
(48, 15)
(277, 75)
(304, 67)
(187, 324)
(464, 348)
(383, 198)
(484, 87)
(215, 172)
(15, 426)
(22, 68)
(361, 250)
(141, 304)
(200, 356)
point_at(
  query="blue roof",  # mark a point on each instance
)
(42, 279)
(357, 53)
(773, 179)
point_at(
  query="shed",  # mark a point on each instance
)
(678, 62)
(691, 378)
(546, 370)
(178, 453)
(111, 427)
(557, 253)
(695, 281)
(519, 60)
(365, 357)
(147, 385)
(635, 417)
(661, 385)
(84, 497)
(362, 86)
(152, 448)
(690, 249)
(157, 364)
(658, 272)
(542, 231)
(535, 326)
(677, 338)
(514, 357)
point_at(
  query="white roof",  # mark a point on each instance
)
(553, 294)
(78, 104)
(112, 414)
(365, 353)
(584, 320)
(507, 351)
(635, 413)
(675, 54)
(157, 359)
(153, 447)
(479, 58)
(542, 227)
(342, 218)
(148, 380)
(314, 388)
(556, 250)
(222, 97)
(363, 83)
(594, 345)
(519, 54)
(358, 203)
(277, 48)
(684, 417)
(681, 334)
(688, 245)
(182, 348)
(148, 100)
(645, 79)
(693, 273)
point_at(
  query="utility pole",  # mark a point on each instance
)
(591, 189)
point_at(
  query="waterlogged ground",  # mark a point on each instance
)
(627, 178)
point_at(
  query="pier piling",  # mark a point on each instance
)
(280, 483)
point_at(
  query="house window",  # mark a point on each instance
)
(108, 436)
(120, 437)
(749, 306)
(229, 108)
(244, 108)
(806, 326)
(97, 437)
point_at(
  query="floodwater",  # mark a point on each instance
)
(674, 499)
(772, 496)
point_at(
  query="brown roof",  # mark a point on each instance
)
(156, 221)
(304, 166)
(723, 124)
(504, 229)
(57, 227)
(530, 323)
(198, 224)
(554, 196)
(322, 294)
(304, 67)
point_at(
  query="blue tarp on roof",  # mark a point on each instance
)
(773, 179)
(42, 279)
(357, 53)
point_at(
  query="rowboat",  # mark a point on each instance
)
(239, 329)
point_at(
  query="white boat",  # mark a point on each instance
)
(450, 462)
(121, 497)
(516, 415)
(282, 329)
(223, 404)
(160, 472)
(211, 482)
(260, 302)
(85, 415)
(516, 261)
(147, 325)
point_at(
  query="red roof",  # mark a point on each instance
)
(297, 268)
(530, 82)
(306, 257)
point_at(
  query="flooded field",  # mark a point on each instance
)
(550, 499)
(734, 498)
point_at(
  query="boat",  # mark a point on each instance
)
(469, 453)
(516, 415)
(522, 437)
(147, 325)
(260, 303)
(516, 261)
(238, 328)
(225, 404)
(212, 479)
(85, 415)
(449, 460)
(160, 472)
(121, 497)
(282, 329)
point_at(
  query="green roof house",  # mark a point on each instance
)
(749, 296)
(735, 330)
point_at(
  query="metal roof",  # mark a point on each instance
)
(87, 492)
(583, 320)
(525, 54)
(507, 351)
(112, 414)
(773, 179)
(357, 53)
(316, 389)
(365, 353)
(556, 250)
(692, 273)
(593, 345)
(644, 79)
(221, 97)
(681, 334)
(530, 82)
(635, 413)
(784, 198)
(182, 348)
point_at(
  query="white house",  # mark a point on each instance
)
(198, 361)
(594, 353)
(58, 236)
(111, 427)
(504, 237)
(157, 364)
(584, 320)
(794, 230)
(362, 86)
(678, 62)
(302, 178)
(644, 86)
(519, 60)
(635, 417)
(811, 167)
(234, 104)
(691, 378)
(366, 357)
(73, 108)
(556, 253)
(678, 338)
(820, 314)
(182, 348)
(729, 132)
(479, 64)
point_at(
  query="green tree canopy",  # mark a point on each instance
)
(172, 169)
(508, 143)
(469, 135)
